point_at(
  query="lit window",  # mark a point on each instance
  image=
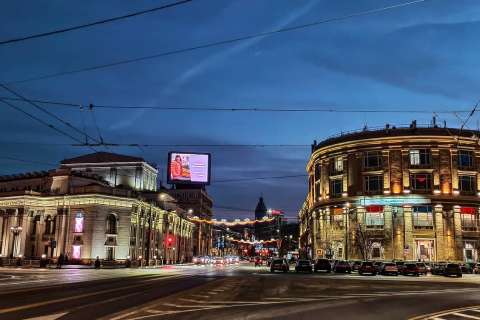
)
(76, 252)
(79, 222)
(374, 217)
(469, 218)
(338, 162)
(419, 157)
(422, 217)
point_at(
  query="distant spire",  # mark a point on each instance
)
(261, 209)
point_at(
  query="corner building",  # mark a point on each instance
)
(394, 194)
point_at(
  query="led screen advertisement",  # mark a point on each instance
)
(188, 168)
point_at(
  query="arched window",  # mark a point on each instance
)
(111, 224)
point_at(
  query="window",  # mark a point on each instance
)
(110, 253)
(318, 170)
(76, 252)
(337, 217)
(465, 159)
(338, 164)
(421, 182)
(422, 217)
(49, 225)
(336, 187)
(374, 218)
(466, 184)
(372, 159)
(376, 251)
(469, 218)
(78, 222)
(420, 157)
(373, 184)
(111, 224)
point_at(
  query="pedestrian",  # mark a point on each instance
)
(97, 263)
(60, 261)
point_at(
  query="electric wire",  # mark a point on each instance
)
(220, 43)
(91, 24)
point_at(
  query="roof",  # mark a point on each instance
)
(102, 157)
(396, 132)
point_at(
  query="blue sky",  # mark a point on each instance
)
(423, 56)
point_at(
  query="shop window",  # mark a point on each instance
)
(420, 157)
(466, 184)
(422, 217)
(421, 182)
(76, 252)
(338, 164)
(469, 218)
(374, 217)
(465, 159)
(336, 187)
(337, 217)
(373, 184)
(372, 159)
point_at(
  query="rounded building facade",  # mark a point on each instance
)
(394, 194)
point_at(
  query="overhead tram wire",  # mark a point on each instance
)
(222, 42)
(327, 109)
(24, 99)
(51, 126)
(91, 24)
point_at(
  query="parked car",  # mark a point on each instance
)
(410, 269)
(438, 268)
(367, 267)
(422, 268)
(218, 261)
(400, 265)
(466, 268)
(389, 268)
(322, 265)
(303, 265)
(342, 266)
(452, 269)
(476, 268)
(279, 265)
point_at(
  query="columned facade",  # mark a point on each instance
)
(394, 194)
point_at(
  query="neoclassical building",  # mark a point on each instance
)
(397, 193)
(81, 214)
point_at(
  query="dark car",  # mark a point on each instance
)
(438, 268)
(342, 266)
(400, 265)
(378, 266)
(389, 268)
(422, 267)
(303, 265)
(355, 265)
(466, 268)
(410, 269)
(279, 265)
(452, 269)
(322, 265)
(367, 267)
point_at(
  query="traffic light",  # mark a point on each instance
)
(169, 241)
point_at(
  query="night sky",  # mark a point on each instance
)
(419, 57)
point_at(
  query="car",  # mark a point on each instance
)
(400, 265)
(389, 268)
(466, 268)
(367, 267)
(476, 268)
(452, 269)
(410, 269)
(218, 261)
(279, 265)
(342, 266)
(303, 265)
(422, 268)
(322, 265)
(438, 268)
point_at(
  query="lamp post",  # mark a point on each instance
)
(16, 230)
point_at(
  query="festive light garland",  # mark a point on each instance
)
(231, 223)
(251, 242)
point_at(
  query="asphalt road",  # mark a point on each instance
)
(233, 292)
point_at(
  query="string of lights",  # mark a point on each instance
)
(221, 42)
(236, 222)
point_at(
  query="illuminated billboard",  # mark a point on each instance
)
(188, 168)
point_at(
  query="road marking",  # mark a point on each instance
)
(43, 303)
(49, 317)
(438, 315)
(464, 315)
